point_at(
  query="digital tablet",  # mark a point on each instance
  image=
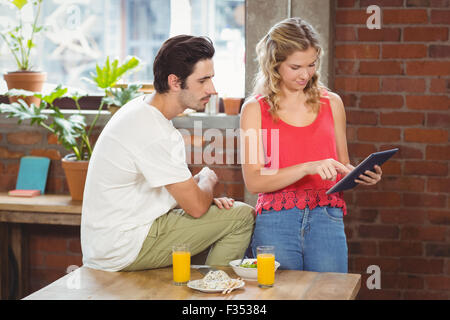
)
(376, 158)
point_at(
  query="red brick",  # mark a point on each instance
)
(402, 184)
(404, 152)
(349, 100)
(49, 153)
(24, 137)
(441, 120)
(385, 264)
(428, 68)
(437, 283)
(440, 17)
(378, 232)
(402, 118)
(392, 167)
(403, 85)
(420, 265)
(400, 248)
(357, 51)
(438, 85)
(440, 3)
(439, 217)
(438, 185)
(361, 117)
(437, 51)
(437, 153)
(408, 281)
(437, 250)
(425, 168)
(405, 16)
(351, 134)
(435, 102)
(361, 150)
(420, 200)
(423, 233)
(377, 35)
(235, 190)
(417, 3)
(364, 248)
(380, 67)
(425, 135)
(7, 182)
(381, 101)
(228, 174)
(403, 51)
(345, 3)
(379, 134)
(378, 199)
(402, 216)
(345, 34)
(7, 154)
(357, 84)
(351, 17)
(346, 67)
(381, 3)
(12, 168)
(425, 295)
(52, 138)
(74, 246)
(425, 34)
(219, 190)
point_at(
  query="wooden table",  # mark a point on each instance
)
(17, 211)
(88, 284)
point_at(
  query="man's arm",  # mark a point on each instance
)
(195, 198)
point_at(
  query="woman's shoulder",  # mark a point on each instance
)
(334, 98)
(251, 105)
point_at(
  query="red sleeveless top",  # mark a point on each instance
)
(296, 145)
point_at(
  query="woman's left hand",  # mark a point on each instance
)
(370, 178)
(223, 202)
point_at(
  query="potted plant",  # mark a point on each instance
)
(71, 132)
(117, 97)
(20, 39)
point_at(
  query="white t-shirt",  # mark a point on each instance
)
(138, 152)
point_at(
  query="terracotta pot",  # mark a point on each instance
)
(26, 80)
(76, 171)
(232, 105)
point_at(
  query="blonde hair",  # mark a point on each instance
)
(282, 40)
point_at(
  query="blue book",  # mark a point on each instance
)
(33, 173)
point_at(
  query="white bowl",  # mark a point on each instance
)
(247, 273)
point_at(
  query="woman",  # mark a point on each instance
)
(302, 152)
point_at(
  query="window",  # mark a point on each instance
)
(81, 34)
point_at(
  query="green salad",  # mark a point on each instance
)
(248, 264)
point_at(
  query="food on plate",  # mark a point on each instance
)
(249, 264)
(218, 280)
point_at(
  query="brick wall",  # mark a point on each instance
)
(395, 84)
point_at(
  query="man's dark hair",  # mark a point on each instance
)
(177, 56)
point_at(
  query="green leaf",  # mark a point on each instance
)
(30, 44)
(108, 75)
(22, 111)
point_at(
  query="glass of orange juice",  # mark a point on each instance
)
(181, 262)
(265, 256)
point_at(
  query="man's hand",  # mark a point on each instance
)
(206, 173)
(223, 202)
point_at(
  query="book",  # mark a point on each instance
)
(24, 193)
(33, 173)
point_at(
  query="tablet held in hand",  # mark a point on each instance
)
(376, 158)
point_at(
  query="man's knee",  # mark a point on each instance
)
(245, 211)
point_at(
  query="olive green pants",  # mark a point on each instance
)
(226, 231)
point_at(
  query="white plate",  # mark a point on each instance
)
(194, 284)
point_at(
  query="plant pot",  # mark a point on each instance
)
(76, 171)
(113, 108)
(26, 80)
(232, 105)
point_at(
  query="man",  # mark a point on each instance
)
(136, 176)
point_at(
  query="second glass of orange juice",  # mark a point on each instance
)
(265, 266)
(181, 261)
